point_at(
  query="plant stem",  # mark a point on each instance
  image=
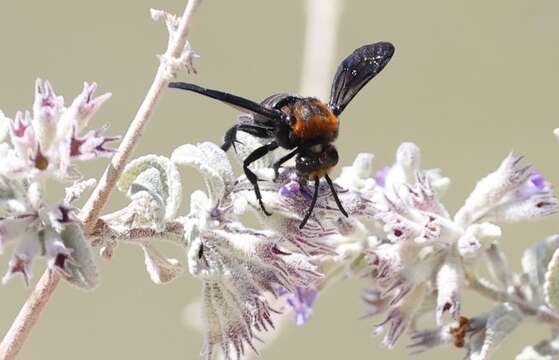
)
(31, 310)
(542, 313)
(98, 199)
(28, 315)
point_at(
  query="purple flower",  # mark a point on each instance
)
(380, 176)
(302, 301)
(537, 180)
(293, 188)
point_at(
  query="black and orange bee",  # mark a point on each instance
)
(304, 125)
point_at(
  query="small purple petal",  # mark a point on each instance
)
(302, 301)
(90, 146)
(19, 124)
(537, 180)
(380, 176)
(290, 189)
(293, 188)
(280, 291)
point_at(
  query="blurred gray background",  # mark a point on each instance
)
(469, 82)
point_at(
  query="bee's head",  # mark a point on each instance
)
(316, 160)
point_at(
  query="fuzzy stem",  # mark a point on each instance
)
(31, 310)
(491, 292)
(98, 199)
(28, 315)
(173, 232)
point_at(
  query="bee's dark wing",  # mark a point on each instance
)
(237, 102)
(355, 71)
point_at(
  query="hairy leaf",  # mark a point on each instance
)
(212, 163)
(159, 177)
(82, 271)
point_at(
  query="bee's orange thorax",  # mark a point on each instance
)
(313, 119)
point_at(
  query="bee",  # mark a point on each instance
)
(305, 126)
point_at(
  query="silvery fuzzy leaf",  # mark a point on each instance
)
(544, 350)
(212, 163)
(551, 284)
(498, 265)
(159, 177)
(501, 322)
(160, 269)
(82, 271)
(535, 261)
(530, 353)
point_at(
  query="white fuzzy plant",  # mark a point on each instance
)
(417, 258)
